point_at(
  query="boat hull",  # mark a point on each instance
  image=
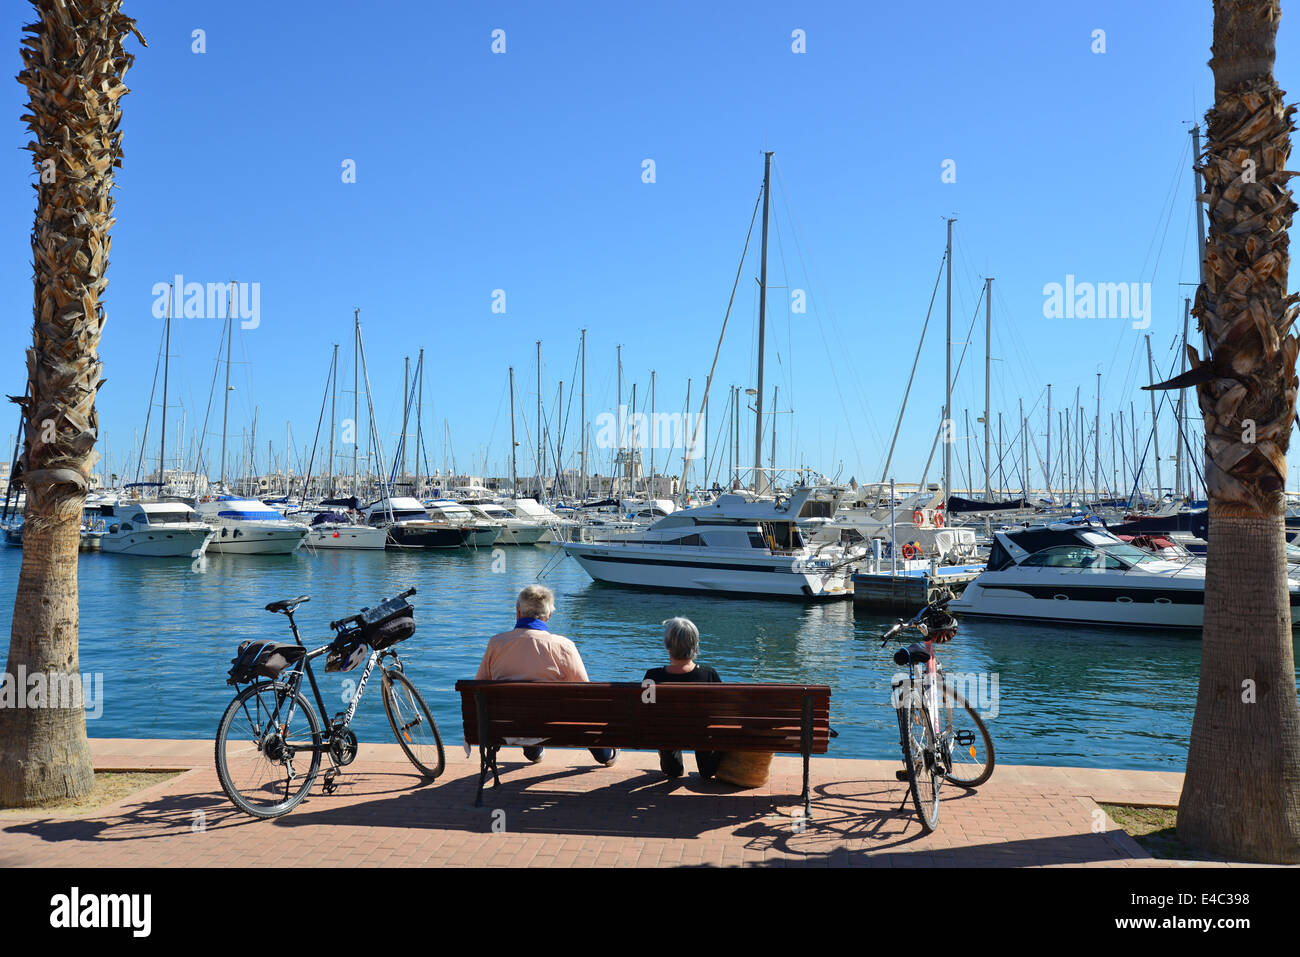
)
(257, 538)
(346, 536)
(659, 569)
(157, 542)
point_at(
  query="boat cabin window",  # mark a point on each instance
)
(781, 536)
(817, 509)
(999, 557)
(1074, 556)
(158, 518)
(687, 540)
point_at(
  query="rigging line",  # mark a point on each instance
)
(862, 394)
(708, 383)
(306, 482)
(908, 391)
(153, 390)
(198, 453)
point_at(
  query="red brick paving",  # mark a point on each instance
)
(566, 812)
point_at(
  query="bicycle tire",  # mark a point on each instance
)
(916, 738)
(253, 779)
(407, 716)
(968, 766)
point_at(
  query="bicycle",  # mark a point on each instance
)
(948, 743)
(270, 742)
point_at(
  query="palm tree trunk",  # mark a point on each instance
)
(1241, 793)
(73, 65)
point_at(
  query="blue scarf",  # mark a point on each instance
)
(535, 624)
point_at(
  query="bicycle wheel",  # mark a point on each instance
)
(964, 741)
(916, 736)
(413, 725)
(267, 749)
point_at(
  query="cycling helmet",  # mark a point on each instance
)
(938, 625)
(346, 656)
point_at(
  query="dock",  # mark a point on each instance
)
(909, 588)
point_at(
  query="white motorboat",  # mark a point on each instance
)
(514, 531)
(245, 526)
(557, 529)
(480, 533)
(739, 544)
(154, 529)
(334, 529)
(1081, 573)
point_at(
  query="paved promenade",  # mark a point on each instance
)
(566, 812)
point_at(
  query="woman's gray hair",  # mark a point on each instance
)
(535, 601)
(682, 639)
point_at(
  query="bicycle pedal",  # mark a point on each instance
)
(901, 775)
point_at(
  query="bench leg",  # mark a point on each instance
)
(807, 797)
(487, 761)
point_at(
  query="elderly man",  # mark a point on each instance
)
(529, 652)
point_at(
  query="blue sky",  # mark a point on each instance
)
(523, 172)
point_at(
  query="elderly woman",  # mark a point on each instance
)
(682, 641)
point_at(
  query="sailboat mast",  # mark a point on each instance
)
(167, 348)
(541, 451)
(419, 419)
(1155, 432)
(356, 401)
(406, 409)
(334, 394)
(946, 427)
(514, 467)
(652, 429)
(762, 323)
(988, 364)
(1096, 446)
(225, 404)
(582, 412)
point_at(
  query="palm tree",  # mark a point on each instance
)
(1241, 793)
(73, 66)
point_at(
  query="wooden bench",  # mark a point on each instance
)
(776, 718)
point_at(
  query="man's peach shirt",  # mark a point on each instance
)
(525, 654)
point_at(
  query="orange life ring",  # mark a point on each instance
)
(938, 519)
(918, 517)
(908, 551)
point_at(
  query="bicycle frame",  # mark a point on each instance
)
(292, 683)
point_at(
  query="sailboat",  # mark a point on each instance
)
(741, 543)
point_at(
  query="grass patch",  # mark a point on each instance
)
(1155, 828)
(110, 787)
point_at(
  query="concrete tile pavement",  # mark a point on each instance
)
(566, 812)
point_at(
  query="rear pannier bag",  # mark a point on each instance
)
(390, 627)
(262, 659)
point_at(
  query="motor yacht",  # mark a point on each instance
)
(154, 529)
(514, 531)
(334, 529)
(245, 526)
(408, 525)
(737, 544)
(480, 532)
(1080, 572)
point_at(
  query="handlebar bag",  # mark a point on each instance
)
(390, 629)
(262, 659)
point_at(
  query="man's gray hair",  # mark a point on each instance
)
(681, 638)
(535, 601)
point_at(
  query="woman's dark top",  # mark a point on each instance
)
(698, 673)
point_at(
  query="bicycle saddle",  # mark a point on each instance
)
(289, 604)
(912, 654)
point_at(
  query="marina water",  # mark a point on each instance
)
(162, 635)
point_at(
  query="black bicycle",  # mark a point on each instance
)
(270, 740)
(941, 740)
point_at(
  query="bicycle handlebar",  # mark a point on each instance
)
(940, 601)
